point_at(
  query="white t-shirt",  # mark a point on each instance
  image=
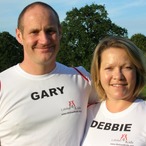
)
(43, 110)
(126, 128)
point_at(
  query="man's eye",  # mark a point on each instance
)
(50, 32)
(34, 32)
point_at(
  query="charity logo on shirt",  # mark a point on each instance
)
(122, 140)
(70, 108)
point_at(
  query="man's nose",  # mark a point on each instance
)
(44, 38)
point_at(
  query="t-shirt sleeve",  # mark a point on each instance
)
(93, 97)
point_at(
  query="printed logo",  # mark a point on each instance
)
(123, 141)
(72, 104)
(71, 108)
(124, 137)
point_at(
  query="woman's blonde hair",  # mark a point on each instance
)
(135, 55)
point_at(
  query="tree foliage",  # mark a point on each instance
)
(82, 30)
(139, 40)
(10, 51)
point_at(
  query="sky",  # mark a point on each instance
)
(128, 14)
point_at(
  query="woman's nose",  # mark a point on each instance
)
(118, 74)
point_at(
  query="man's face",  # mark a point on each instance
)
(40, 36)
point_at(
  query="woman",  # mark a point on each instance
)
(118, 71)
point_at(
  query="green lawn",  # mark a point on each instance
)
(144, 92)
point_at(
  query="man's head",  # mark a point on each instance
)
(39, 31)
(30, 6)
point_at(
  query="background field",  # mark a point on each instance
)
(144, 92)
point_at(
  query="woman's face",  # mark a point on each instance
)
(117, 74)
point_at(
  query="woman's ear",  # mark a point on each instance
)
(19, 36)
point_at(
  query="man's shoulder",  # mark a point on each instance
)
(7, 71)
(73, 69)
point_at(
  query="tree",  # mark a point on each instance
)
(10, 51)
(139, 40)
(82, 30)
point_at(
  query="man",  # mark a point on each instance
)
(42, 102)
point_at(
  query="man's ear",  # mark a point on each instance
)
(19, 36)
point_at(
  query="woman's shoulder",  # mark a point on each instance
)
(93, 109)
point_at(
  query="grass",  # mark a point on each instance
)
(143, 93)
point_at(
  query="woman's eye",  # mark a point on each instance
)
(108, 68)
(128, 67)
